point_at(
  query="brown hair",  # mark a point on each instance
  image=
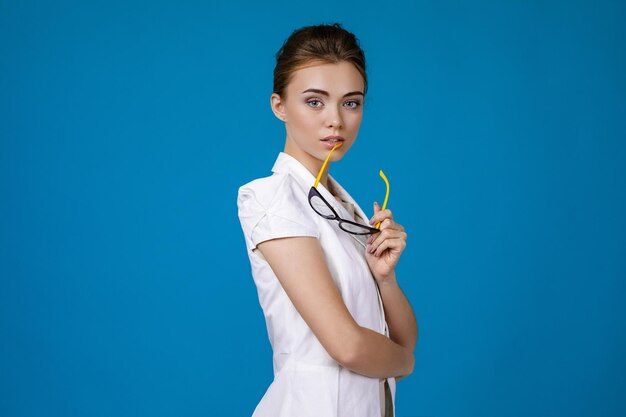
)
(320, 43)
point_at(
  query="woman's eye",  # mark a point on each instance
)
(352, 104)
(355, 103)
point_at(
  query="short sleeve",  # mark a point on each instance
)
(272, 212)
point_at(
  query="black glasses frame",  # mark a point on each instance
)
(313, 192)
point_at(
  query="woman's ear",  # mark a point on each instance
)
(278, 106)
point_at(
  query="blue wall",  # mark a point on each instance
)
(126, 129)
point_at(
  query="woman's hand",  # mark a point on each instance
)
(384, 249)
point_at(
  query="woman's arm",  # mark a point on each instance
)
(300, 266)
(399, 314)
(382, 254)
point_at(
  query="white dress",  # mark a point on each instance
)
(307, 381)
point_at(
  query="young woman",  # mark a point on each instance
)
(342, 331)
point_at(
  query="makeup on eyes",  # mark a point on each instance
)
(313, 99)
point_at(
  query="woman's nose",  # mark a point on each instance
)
(334, 120)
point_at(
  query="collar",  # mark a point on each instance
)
(287, 164)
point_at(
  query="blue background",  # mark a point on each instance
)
(127, 127)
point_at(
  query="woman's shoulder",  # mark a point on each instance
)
(275, 190)
(275, 206)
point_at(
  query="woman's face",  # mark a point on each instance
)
(322, 100)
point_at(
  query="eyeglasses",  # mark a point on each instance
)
(324, 209)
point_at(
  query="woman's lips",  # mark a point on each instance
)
(330, 145)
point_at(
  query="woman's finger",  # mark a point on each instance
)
(381, 215)
(384, 235)
(398, 244)
(386, 224)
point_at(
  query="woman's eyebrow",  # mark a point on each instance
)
(325, 93)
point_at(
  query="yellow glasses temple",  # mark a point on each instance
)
(386, 194)
(319, 176)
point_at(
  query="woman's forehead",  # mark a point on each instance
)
(335, 78)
